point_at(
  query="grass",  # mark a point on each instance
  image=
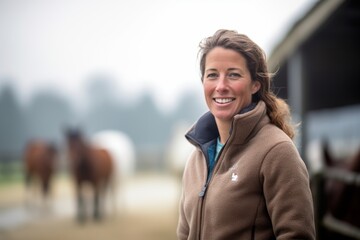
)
(11, 172)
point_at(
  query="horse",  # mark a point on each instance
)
(178, 150)
(343, 198)
(39, 161)
(90, 166)
(122, 150)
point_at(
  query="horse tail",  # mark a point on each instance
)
(112, 182)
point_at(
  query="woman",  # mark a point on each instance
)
(245, 179)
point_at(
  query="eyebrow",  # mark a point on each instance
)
(210, 69)
(229, 69)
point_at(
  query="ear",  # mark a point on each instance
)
(255, 87)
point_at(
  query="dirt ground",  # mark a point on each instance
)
(127, 227)
(149, 211)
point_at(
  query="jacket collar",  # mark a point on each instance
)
(246, 125)
(205, 131)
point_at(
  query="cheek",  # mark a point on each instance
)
(207, 95)
(207, 89)
(242, 89)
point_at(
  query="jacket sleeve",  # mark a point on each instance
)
(287, 193)
(183, 227)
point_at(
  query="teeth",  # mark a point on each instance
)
(223, 100)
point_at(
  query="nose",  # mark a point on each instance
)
(221, 85)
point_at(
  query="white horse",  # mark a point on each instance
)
(122, 150)
(179, 149)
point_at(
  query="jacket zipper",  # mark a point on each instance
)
(203, 192)
(201, 205)
(203, 189)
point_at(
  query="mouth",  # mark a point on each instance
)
(223, 100)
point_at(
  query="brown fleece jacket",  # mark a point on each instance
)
(259, 188)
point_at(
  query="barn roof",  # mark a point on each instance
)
(317, 62)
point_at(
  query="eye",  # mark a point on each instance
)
(212, 75)
(234, 75)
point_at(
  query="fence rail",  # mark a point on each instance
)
(341, 227)
(325, 220)
(343, 176)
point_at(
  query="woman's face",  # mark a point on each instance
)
(227, 83)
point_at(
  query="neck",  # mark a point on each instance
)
(224, 129)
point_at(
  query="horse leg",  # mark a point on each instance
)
(46, 192)
(97, 209)
(80, 204)
(28, 195)
(32, 197)
(111, 190)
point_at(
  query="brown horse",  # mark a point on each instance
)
(343, 197)
(39, 164)
(89, 166)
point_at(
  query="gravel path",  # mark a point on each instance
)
(146, 209)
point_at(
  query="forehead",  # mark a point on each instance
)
(224, 57)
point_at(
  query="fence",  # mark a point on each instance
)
(325, 221)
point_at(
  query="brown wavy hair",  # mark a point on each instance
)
(277, 109)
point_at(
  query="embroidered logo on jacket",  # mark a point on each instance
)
(234, 177)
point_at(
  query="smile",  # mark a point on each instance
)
(223, 100)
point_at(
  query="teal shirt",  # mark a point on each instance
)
(213, 152)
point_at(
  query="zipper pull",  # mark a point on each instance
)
(203, 190)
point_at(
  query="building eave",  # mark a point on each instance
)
(301, 31)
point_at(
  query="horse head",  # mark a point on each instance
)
(76, 146)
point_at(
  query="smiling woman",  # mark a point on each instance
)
(245, 179)
(228, 87)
